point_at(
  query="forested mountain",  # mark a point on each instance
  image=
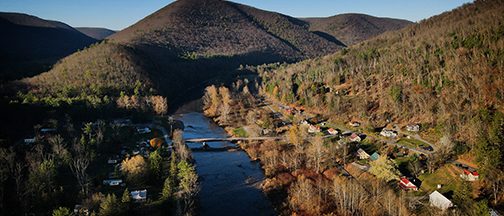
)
(445, 72)
(181, 45)
(30, 45)
(96, 33)
(354, 28)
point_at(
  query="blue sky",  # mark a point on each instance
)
(118, 14)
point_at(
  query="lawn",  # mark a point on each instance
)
(240, 132)
(447, 176)
(412, 143)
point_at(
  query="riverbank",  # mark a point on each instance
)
(229, 180)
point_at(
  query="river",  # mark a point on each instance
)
(229, 180)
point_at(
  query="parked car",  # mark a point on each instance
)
(428, 148)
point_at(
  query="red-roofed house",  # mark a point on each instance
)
(355, 138)
(469, 176)
(406, 184)
(332, 131)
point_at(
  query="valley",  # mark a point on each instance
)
(212, 107)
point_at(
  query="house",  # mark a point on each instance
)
(374, 156)
(313, 129)
(112, 182)
(355, 138)
(47, 130)
(139, 195)
(354, 124)
(413, 128)
(143, 130)
(437, 199)
(29, 141)
(469, 176)
(406, 184)
(80, 210)
(332, 131)
(304, 122)
(362, 154)
(112, 161)
(122, 122)
(388, 133)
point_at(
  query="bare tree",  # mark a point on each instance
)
(79, 166)
(317, 152)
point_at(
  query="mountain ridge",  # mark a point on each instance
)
(30, 45)
(352, 28)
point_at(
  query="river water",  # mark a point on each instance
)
(229, 180)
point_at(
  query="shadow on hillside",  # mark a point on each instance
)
(183, 79)
(329, 37)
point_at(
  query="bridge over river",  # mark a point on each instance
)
(220, 139)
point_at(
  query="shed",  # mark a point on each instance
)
(374, 156)
(437, 199)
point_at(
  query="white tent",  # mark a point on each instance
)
(438, 200)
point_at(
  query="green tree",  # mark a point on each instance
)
(167, 191)
(383, 168)
(61, 211)
(126, 198)
(110, 206)
(155, 163)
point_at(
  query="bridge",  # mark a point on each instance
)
(220, 139)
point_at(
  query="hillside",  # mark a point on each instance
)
(182, 45)
(96, 33)
(30, 45)
(442, 73)
(355, 28)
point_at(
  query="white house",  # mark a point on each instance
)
(139, 195)
(112, 161)
(112, 182)
(362, 154)
(29, 141)
(354, 124)
(413, 128)
(388, 133)
(437, 199)
(143, 130)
